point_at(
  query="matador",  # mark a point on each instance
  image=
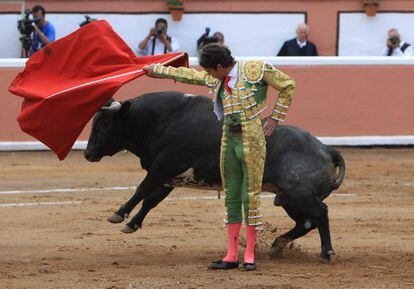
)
(241, 95)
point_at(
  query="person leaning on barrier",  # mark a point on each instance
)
(299, 46)
(158, 41)
(241, 95)
(396, 46)
(44, 33)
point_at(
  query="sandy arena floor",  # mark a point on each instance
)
(46, 244)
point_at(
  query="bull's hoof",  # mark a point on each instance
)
(115, 219)
(327, 255)
(276, 252)
(128, 230)
(278, 247)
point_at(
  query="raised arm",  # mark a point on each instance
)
(183, 74)
(286, 87)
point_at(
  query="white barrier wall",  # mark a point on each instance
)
(246, 34)
(360, 35)
(282, 61)
(10, 46)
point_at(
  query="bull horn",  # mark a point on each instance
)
(113, 107)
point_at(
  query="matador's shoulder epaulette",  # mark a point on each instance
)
(211, 81)
(253, 70)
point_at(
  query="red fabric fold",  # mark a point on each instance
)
(66, 83)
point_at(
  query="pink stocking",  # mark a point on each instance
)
(233, 242)
(251, 234)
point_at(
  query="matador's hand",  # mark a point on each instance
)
(269, 126)
(149, 68)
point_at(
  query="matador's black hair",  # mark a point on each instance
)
(213, 54)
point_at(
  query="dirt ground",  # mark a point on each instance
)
(46, 244)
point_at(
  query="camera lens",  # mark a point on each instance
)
(159, 31)
(394, 40)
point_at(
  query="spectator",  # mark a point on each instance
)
(220, 37)
(205, 39)
(44, 32)
(88, 19)
(299, 46)
(396, 46)
(157, 40)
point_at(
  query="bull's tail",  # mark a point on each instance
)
(332, 184)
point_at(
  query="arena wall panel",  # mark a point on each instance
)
(322, 15)
(245, 33)
(360, 35)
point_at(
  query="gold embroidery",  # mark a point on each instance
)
(278, 116)
(286, 87)
(253, 71)
(210, 81)
(254, 146)
(255, 110)
(236, 108)
(184, 74)
(281, 109)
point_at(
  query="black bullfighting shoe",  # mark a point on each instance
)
(224, 265)
(249, 266)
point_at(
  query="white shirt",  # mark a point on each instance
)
(159, 47)
(218, 104)
(301, 44)
(398, 52)
(234, 74)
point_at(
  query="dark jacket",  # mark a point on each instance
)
(291, 48)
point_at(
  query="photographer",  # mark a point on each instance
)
(44, 32)
(88, 19)
(205, 39)
(396, 46)
(157, 40)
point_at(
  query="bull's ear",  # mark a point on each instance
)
(125, 106)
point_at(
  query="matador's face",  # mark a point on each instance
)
(220, 72)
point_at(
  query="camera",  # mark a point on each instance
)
(88, 19)
(394, 40)
(206, 39)
(25, 25)
(160, 31)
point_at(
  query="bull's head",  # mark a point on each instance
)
(106, 134)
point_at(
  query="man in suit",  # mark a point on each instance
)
(299, 46)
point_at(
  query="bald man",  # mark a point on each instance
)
(299, 46)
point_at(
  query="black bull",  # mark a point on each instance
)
(177, 138)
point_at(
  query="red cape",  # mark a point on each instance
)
(66, 83)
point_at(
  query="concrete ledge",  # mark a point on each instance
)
(406, 140)
(284, 61)
(34, 146)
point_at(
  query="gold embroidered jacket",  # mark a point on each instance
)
(250, 91)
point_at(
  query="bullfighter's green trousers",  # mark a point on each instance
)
(242, 161)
